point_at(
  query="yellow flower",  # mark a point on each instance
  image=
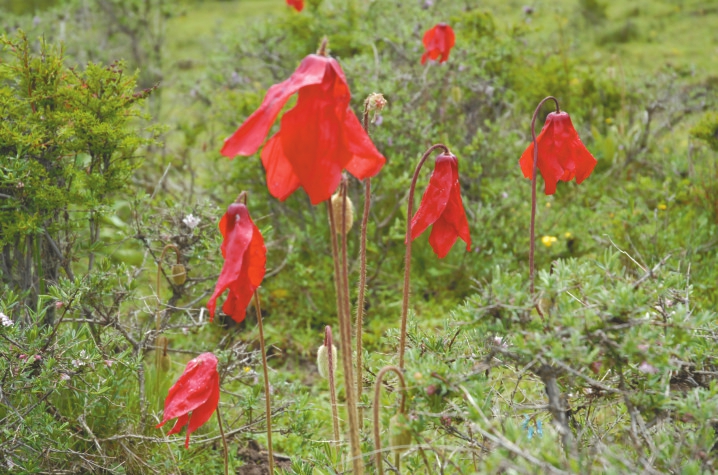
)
(548, 204)
(567, 235)
(662, 206)
(246, 369)
(609, 120)
(548, 240)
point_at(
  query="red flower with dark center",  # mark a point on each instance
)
(438, 41)
(244, 260)
(297, 4)
(561, 154)
(317, 139)
(194, 397)
(441, 207)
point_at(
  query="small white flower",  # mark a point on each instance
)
(5, 320)
(64, 376)
(191, 221)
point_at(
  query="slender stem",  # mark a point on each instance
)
(346, 347)
(224, 443)
(267, 393)
(362, 280)
(329, 345)
(532, 228)
(407, 256)
(377, 393)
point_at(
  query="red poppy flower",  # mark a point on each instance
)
(561, 154)
(441, 207)
(244, 259)
(438, 41)
(194, 397)
(318, 138)
(297, 4)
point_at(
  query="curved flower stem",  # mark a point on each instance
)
(377, 392)
(346, 344)
(267, 393)
(532, 238)
(407, 256)
(224, 442)
(329, 345)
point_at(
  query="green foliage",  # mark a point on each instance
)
(707, 130)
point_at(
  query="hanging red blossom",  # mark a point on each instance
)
(298, 5)
(244, 260)
(438, 41)
(194, 397)
(561, 154)
(441, 207)
(318, 138)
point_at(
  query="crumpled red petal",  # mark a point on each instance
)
(438, 41)
(436, 195)
(562, 155)
(247, 139)
(244, 265)
(281, 179)
(196, 391)
(366, 160)
(297, 4)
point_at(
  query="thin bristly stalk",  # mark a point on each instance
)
(532, 229)
(267, 392)
(158, 319)
(362, 280)
(346, 348)
(224, 442)
(377, 393)
(407, 256)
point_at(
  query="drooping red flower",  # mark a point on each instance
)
(317, 139)
(438, 41)
(441, 207)
(244, 260)
(194, 397)
(297, 4)
(561, 154)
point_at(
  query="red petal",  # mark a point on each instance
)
(191, 390)
(442, 237)
(201, 414)
(437, 194)
(179, 424)
(251, 276)
(281, 179)
(573, 156)
(548, 163)
(297, 4)
(250, 135)
(455, 215)
(234, 246)
(311, 135)
(366, 160)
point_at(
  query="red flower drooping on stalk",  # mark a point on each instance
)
(441, 207)
(194, 397)
(561, 154)
(244, 260)
(298, 5)
(317, 139)
(438, 41)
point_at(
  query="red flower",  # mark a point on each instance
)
(297, 4)
(196, 391)
(441, 206)
(438, 41)
(244, 259)
(561, 154)
(318, 138)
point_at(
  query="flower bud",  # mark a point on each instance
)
(337, 201)
(323, 361)
(179, 274)
(399, 434)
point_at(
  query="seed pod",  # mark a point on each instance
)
(323, 361)
(165, 362)
(337, 210)
(179, 274)
(399, 434)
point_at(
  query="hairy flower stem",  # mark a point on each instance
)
(532, 229)
(329, 345)
(158, 320)
(341, 285)
(362, 279)
(224, 443)
(377, 393)
(267, 393)
(407, 256)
